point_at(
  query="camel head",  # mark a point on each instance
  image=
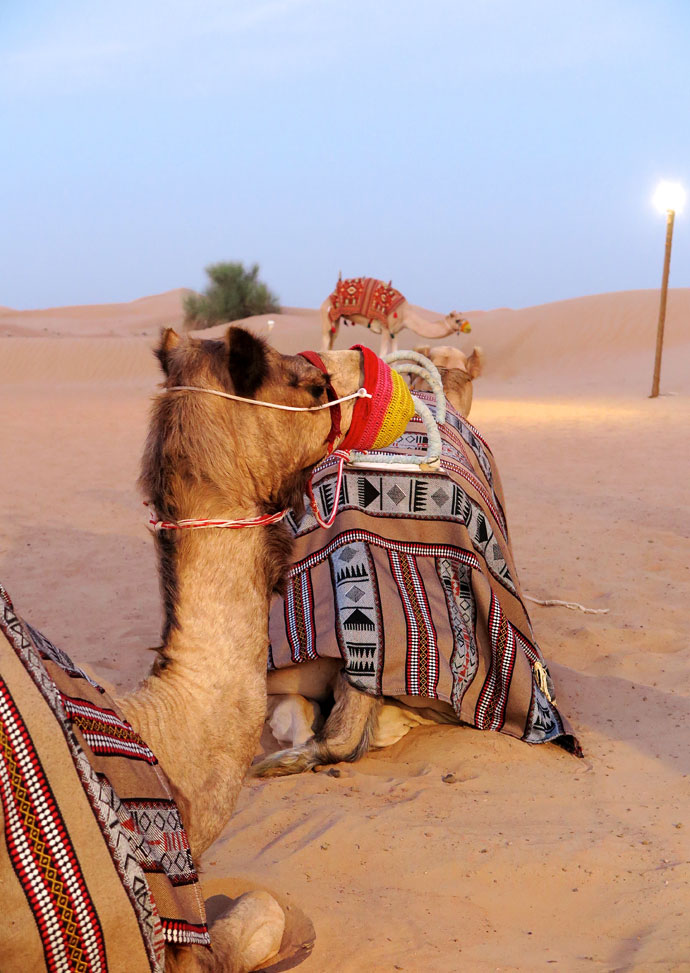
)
(218, 458)
(457, 323)
(457, 370)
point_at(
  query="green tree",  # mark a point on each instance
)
(233, 293)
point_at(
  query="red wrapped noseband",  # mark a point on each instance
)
(368, 414)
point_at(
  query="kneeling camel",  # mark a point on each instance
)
(408, 610)
(202, 706)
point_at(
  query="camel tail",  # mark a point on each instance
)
(346, 736)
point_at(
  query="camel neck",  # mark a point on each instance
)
(202, 708)
(427, 329)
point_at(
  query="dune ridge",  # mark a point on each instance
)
(597, 345)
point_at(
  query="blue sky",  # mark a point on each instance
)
(479, 154)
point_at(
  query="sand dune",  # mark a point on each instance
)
(532, 859)
(603, 344)
(145, 316)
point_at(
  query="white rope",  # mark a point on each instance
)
(433, 452)
(359, 394)
(576, 606)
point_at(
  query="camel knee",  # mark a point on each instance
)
(247, 936)
(244, 938)
(292, 719)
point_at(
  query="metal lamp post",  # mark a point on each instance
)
(668, 198)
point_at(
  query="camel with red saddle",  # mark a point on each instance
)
(382, 309)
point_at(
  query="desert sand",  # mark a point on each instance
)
(529, 859)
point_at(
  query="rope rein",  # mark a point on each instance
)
(359, 394)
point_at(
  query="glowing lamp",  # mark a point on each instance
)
(669, 197)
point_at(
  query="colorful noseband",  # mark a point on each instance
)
(378, 421)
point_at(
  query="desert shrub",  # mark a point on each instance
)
(233, 293)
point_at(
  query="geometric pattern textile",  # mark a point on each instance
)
(95, 863)
(415, 588)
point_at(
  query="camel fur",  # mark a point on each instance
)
(202, 706)
(403, 316)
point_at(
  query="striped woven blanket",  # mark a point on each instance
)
(415, 588)
(95, 866)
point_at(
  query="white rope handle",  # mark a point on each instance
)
(432, 460)
(359, 394)
(399, 359)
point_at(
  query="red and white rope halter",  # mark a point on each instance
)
(263, 520)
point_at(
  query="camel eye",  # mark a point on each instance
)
(316, 391)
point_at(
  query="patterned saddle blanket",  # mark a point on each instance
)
(95, 865)
(368, 297)
(415, 588)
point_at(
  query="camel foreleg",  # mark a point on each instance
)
(346, 735)
(329, 329)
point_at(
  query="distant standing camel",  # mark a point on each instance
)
(382, 309)
(202, 707)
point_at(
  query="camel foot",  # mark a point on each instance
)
(249, 934)
(293, 761)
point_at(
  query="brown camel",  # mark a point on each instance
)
(348, 670)
(382, 309)
(202, 706)
(457, 371)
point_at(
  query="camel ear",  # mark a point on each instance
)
(170, 339)
(424, 350)
(247, 361)
(475, 363)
